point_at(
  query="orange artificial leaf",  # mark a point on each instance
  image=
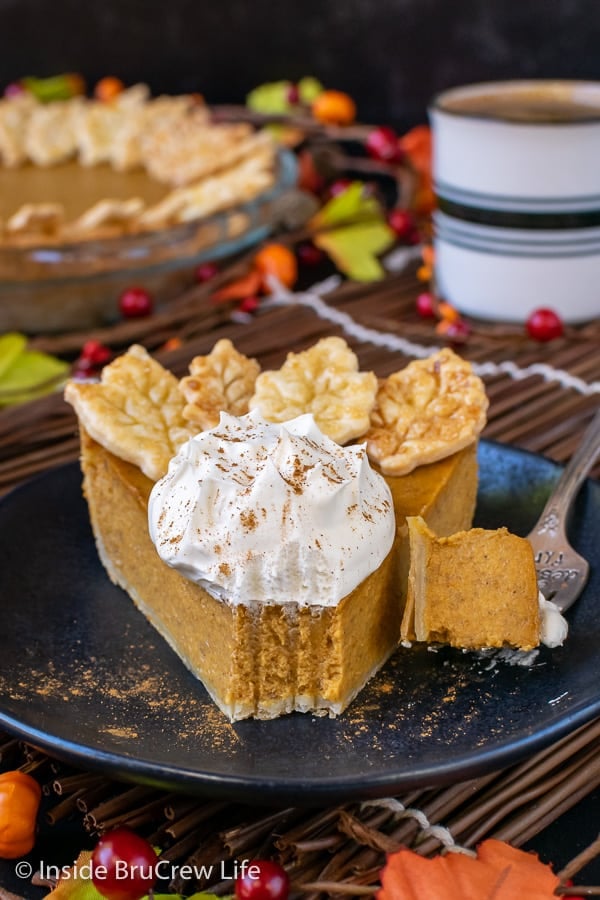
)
(424, 201)
(416, 144)
(242, 287)
(309, 177)
(498, 872)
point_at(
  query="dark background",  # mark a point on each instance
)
(390, 55)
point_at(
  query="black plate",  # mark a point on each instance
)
(83, 675)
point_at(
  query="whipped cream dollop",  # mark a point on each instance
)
(256, 512)
(553, 625)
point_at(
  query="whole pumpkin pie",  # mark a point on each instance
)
(81, 169)
(96, 195)
(273, 611)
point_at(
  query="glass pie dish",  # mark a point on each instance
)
(49, 287)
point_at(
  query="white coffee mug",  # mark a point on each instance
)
(516, 170)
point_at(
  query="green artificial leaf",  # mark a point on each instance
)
(277, 130)
(309, 89)
(30, 369)
(163, 897)
(203, 895)
(200, 895)
(271, 99)
(354, 248)
(347, 206)
(55, 87)
(12, 345)
(30, 375)
(75, 882)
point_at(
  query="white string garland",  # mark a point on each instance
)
(313, 300)
(439, 832)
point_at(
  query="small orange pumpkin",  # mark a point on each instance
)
(20, 797)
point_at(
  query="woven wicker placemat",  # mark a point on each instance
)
(542, 396)
(338, 850)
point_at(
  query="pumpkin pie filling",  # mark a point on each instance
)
(473, 589)
(75, 187)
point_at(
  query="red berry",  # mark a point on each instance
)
(382, 144)
(338, 187)
(402, 223)
(249, 304)
(425, 306)
(82, 372)
(544, 325)
(94, 354)
(123, 865)
(14, 90)
(135, 303)
(293, 95)
(309, 254)
(206, 271)
(263, 880)
(457, 332)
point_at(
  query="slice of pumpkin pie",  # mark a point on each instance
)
(260, 552)
(253, 530)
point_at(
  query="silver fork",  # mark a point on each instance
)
(563, 573)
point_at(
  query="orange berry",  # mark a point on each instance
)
(334, 108)
(173, 343)
(424, 273)
(277, 260)
(108, 88)
(448, 312)
(428, 255)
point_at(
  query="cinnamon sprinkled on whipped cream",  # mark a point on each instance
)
(256, 512)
